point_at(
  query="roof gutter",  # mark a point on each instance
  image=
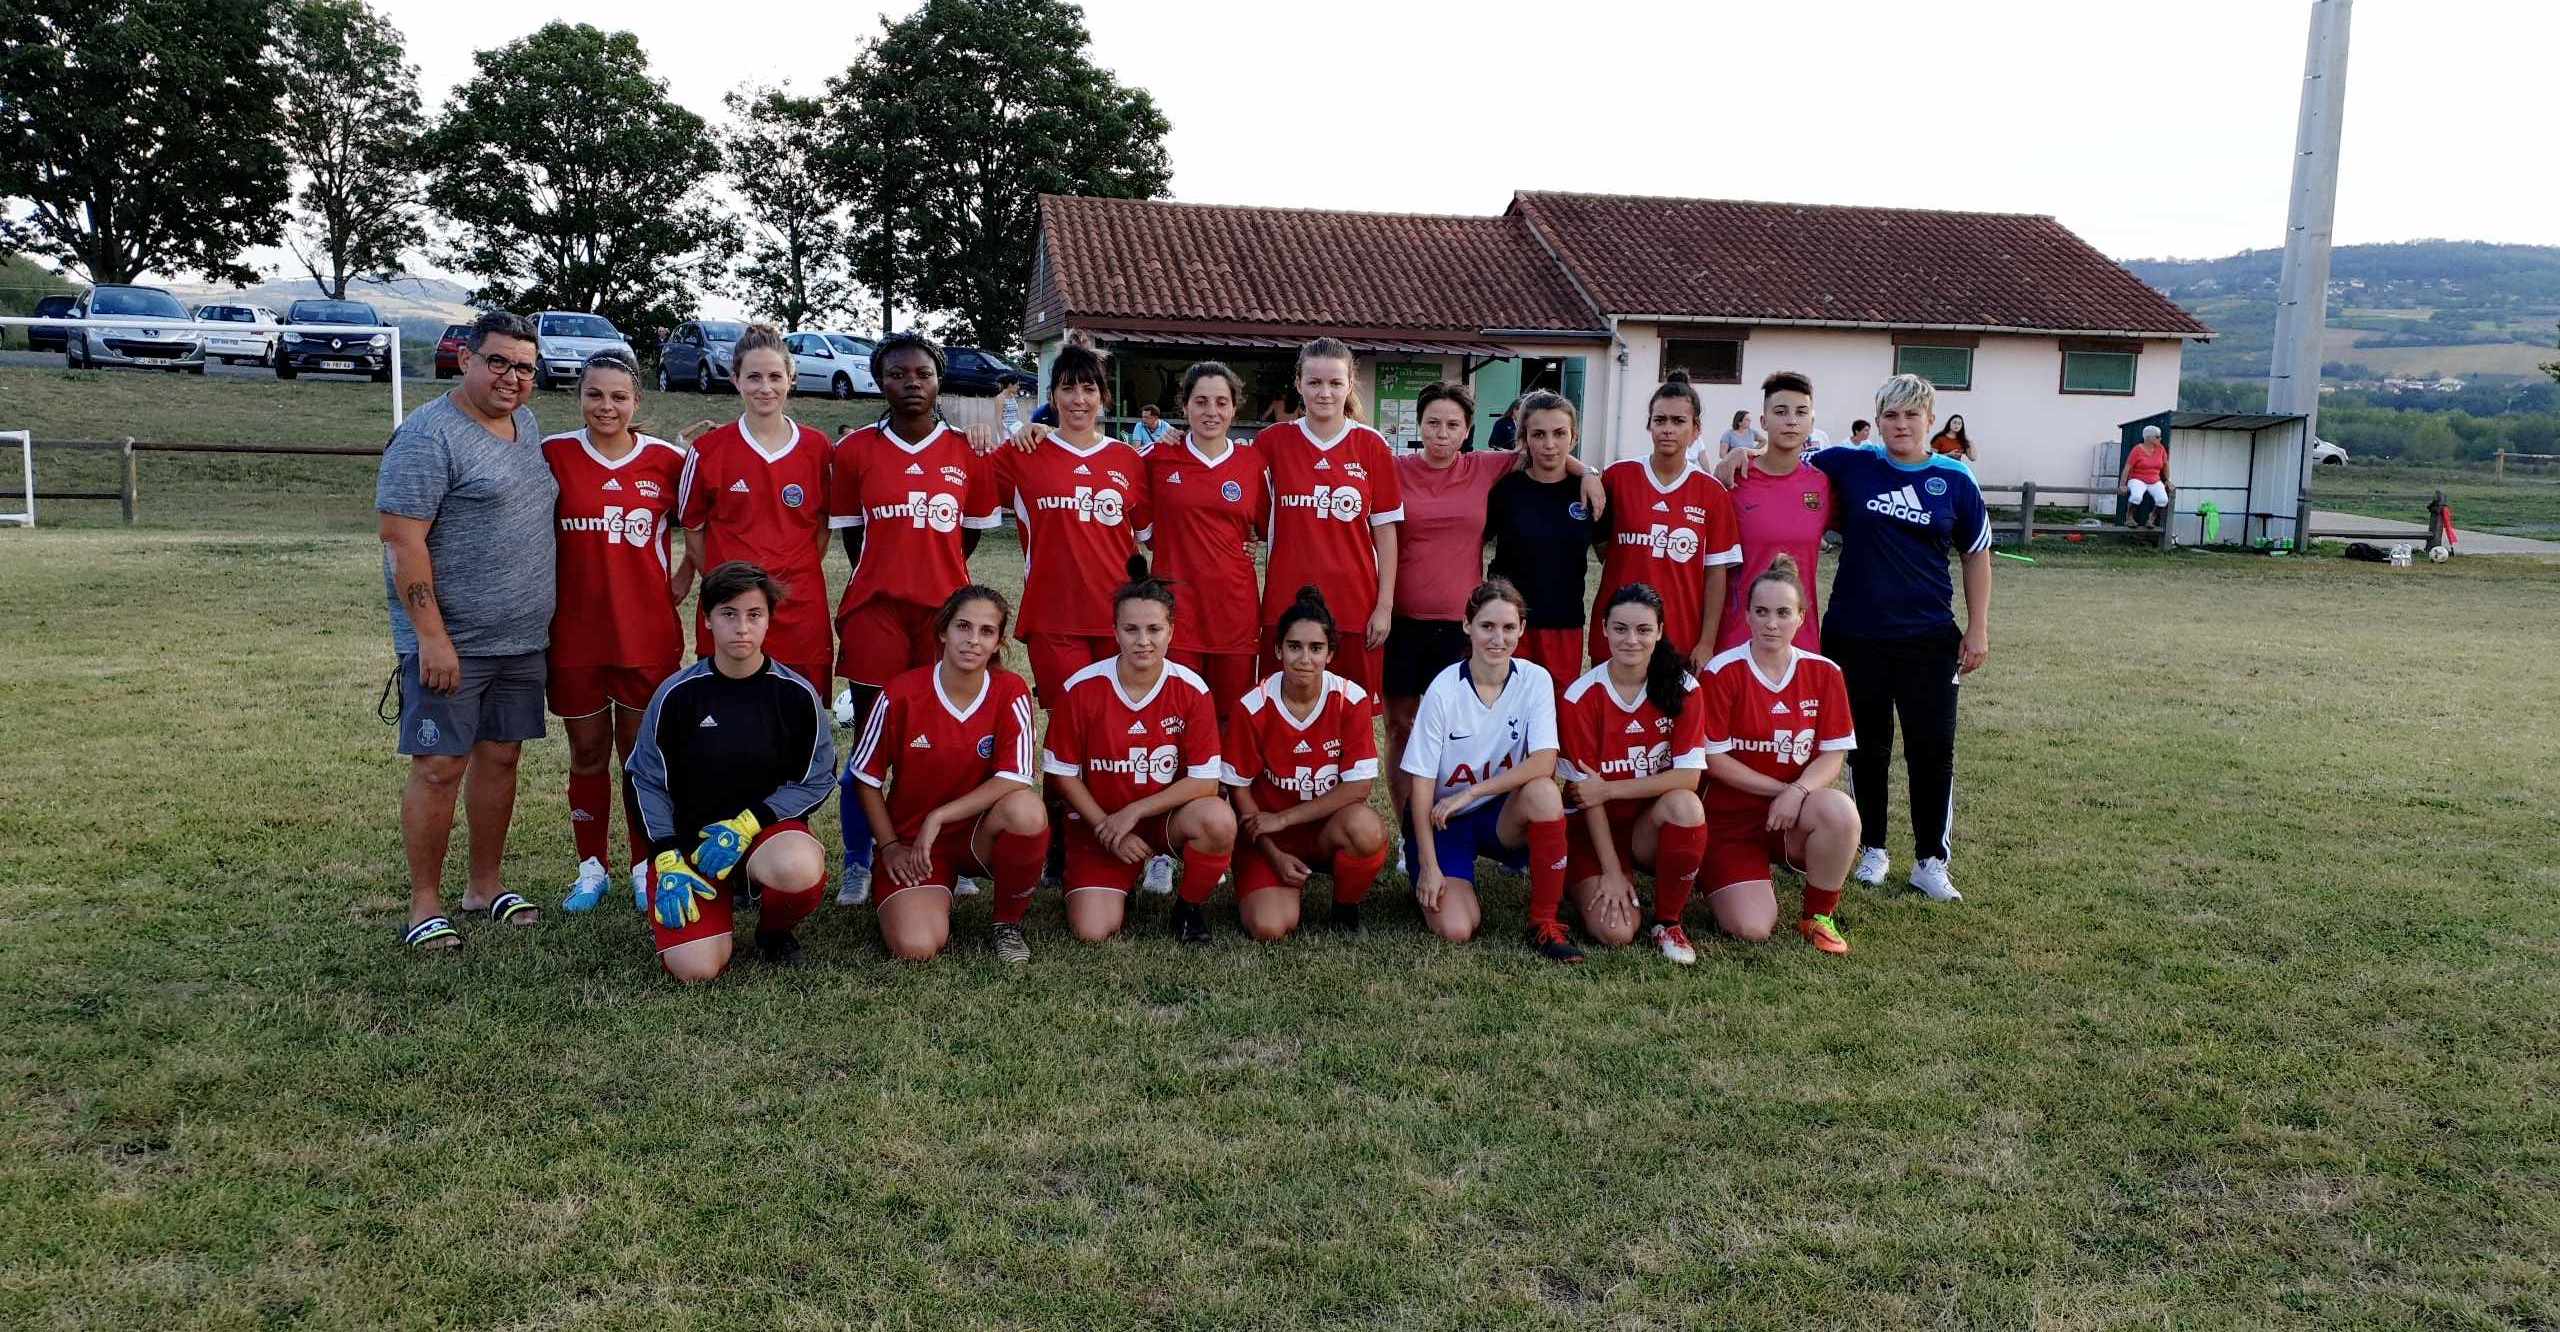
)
(1895, 326)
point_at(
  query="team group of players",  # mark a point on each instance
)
(1198, 716)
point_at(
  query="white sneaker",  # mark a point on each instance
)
(855, 888)
(1674, 943)
(1159, 878)
(1930, 877)
(640, 887)
(1873, 864)
(589, 889)
(844, 707)
(967, 887)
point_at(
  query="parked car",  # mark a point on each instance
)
(352, 353)
(697, 355)
(567, 338)
(141, 345)
(51, 337)
(255, 344)
(2325, 454)
(973, 373)
(450, 349)
(835, 364)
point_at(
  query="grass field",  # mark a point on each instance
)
(2464, 359)
(2525, 504)
(2246, 1022)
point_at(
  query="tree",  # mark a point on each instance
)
(574, 182)
(953, 124)
(351, 100)
(793, 259)
(2552, 368)
(143, 135)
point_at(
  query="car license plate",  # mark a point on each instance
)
(337, 365)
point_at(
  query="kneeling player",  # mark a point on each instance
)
(1634, 733)
(943, 775)
(1132, 750)
(1301, 756)
(733, 753)
(1778, 733)
(1479, 772)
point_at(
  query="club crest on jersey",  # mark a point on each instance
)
(1578, 511)
(792, 495)
(1231, 493)
(986, 746)
(1936, 485)
(1813, 501)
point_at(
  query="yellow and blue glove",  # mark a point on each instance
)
(680, 891)
(725, 843)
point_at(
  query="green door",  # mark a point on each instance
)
(1495, 386)
(1573, 372)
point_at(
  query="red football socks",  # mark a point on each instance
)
(779, 912)
(1675, 869)
(1820, 901)
(590, 806)
(1352, 875)
(1017, 868)
(1546, 870)
(1201, 871)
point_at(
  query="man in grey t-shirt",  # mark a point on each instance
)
(466, 502)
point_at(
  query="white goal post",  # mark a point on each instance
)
(26, 442)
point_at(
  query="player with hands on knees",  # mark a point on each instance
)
(1301, 756)
(1634, 741)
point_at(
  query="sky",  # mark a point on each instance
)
(2157, 128)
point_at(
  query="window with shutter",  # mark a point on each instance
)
(1944, 367)
(2098, 372)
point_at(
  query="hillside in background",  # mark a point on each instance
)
(2415, 310)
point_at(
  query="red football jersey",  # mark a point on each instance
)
(925, 749)
(1126, 749)
(1288, 760)
(1079, 512)
(912, 502)
(1774, 726)
(1602, 735)
(1667, 536)
(1205, 517)
(1325, 496)
(769, 509)
(611, 529)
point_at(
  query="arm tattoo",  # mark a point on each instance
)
(421, 595)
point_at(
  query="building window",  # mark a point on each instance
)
(2098, 372)
(1708, 360)
(1944, 367)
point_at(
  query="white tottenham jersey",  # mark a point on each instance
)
(1458, 741)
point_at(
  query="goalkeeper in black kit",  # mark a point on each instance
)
(733, 755)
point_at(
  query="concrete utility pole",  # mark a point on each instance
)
(2302, 296)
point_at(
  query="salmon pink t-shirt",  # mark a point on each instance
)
(1440, 553)
(1779, 515)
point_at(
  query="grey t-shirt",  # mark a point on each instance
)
(489, 503)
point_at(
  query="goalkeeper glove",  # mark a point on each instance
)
(725, 843)
(678, 888)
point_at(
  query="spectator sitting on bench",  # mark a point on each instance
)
(2145, 486)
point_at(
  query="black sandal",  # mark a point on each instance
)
(505, 907)
(425, 935)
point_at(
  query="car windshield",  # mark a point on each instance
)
(229, 314)
(576, 326)
(331, 312)
(849, 346)
(136, 301)
(457, 330)
(55, 305)
(723, 332)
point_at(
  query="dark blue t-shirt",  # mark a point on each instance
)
(1541, 534)
(1898, 523)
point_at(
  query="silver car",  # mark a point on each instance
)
(835, 364)
(140, 345)
(567, 338)
(254, 343)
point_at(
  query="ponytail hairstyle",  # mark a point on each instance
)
(1308, 608)
(610, 359)
(1666, 674)
(1676, 385)
(1781, 571)
(962, 596)
(1496, 589)
(1142, 586)
(1323, 349)
(906, 340)
(1080, 362)
(763, 337)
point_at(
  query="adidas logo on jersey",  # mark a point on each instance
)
(1903, 504)
(1173, 478)
(1137, 728)
(739, 486)
(1778, 709)
(1324, 464)
(1082, 470)
(914, 470)
(1635, 728)
(1660, 507)
(1303, 748)
(921, 742)
(613, 485)
(707, 723)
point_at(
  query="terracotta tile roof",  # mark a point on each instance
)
(1133, 259)
(1770, 261)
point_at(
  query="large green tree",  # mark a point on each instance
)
(141, 136)
(351, 112)
(792, 262)
(574, 182)
(953, 123)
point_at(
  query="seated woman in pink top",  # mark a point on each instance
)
(1441, 555)
(2146, 487)
(1782, 506)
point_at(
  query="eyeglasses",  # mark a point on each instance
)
(502, 367)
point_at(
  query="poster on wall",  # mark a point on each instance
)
(1400, 385)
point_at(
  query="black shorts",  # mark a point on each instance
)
(1417, 651)
(499, 699)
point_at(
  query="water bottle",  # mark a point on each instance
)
(1012, 414)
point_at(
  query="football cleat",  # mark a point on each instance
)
(1673, 942)
(589, 889)
(1550, 941)
(1822, 933)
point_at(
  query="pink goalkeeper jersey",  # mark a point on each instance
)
(1779, 515)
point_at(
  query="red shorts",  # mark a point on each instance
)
(882, 639)
(1559, 650)
(1581, 861)
(1054, 657)
(1230, 675)
(719, 915)
(1254, 871)
(584, 691)
(1091, 866)
(1740, 847)
(952, 858)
